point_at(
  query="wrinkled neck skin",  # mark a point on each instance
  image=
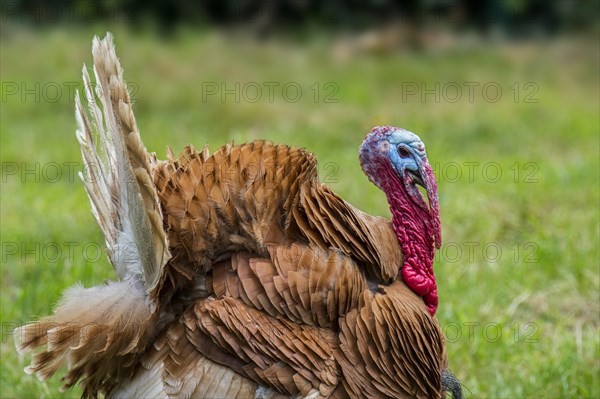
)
(416, 231)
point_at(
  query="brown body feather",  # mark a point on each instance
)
(271, 285)
(248, 196)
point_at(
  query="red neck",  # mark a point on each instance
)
(415, 230)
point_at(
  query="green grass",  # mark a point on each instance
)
(523, 322)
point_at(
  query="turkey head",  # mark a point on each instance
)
(395, 160)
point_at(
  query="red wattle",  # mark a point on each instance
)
(418, 232)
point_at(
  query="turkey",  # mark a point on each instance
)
(241, 275)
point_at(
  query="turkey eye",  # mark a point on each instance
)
(403, 152)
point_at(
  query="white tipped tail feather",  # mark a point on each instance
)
(100, 332)
(119, 182)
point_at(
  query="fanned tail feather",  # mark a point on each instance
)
(119, 181)
(100, 332)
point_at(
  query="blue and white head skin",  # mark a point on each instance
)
(401, 149)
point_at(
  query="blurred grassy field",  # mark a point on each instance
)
(518, 273)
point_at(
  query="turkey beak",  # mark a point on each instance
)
(416, 177)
